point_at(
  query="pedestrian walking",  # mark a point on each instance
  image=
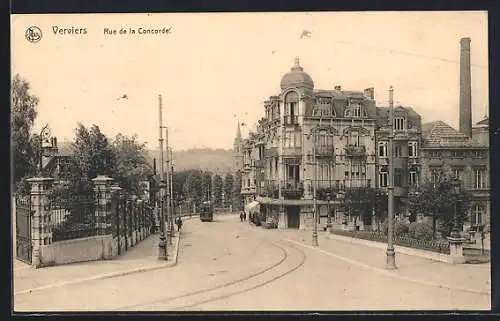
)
(241, 217)
(179, 224)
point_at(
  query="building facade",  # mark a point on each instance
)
(313, 145)
(310, 142)
(406, 155)
(446, 151)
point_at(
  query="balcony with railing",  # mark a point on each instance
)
(291, 120)
(248, 190)
(335, 186)
(355, 151)
(292, 189)
(270, 189)
(259, 163)
(324, 150)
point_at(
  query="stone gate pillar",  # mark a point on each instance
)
(41, 227)
(102, 190)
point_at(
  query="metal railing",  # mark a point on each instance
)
(291, 119)
(353, 150)
(324, 150)
(73, 218)
(433, 246)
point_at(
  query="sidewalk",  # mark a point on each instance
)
(464, 277)
(142, 257)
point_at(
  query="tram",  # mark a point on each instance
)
(206, 212)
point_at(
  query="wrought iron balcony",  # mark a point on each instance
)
(292, 189)
(323, 150)
(270, 189)
(335, 186)
(259, 163)
(291, 119)
(355, 151)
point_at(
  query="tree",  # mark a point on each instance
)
(228, 188)
(131, 167)
(92, 155)
(206, 186)
(23, 107)
(236, 193)
(192, 187)
(360, 201)
(178, 180)
(437, 199)
(217, 187)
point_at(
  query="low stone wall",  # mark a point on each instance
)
(401, 249)
(77, 250)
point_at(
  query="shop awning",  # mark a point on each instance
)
(252, 207)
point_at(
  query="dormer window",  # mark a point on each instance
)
(355, 110)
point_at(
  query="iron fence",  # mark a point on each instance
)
(433, 246)
(73, 218)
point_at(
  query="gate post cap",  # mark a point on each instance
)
(102, 179)
(40, 179)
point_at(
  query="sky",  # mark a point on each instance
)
(216, 69)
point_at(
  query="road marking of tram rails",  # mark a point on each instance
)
(389, 274)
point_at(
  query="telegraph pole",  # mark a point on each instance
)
(172, 211)
(391, 255)
(162, 245)
(169, 216)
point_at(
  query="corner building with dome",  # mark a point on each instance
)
(309, 135)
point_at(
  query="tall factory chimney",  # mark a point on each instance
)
(465, 120)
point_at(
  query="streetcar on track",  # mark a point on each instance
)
(206, 212)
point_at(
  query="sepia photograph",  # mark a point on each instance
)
(258, 161)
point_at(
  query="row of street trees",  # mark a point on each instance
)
(195, 186)
(123, 158)
(92, 153)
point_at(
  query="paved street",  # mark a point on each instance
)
(229, 265)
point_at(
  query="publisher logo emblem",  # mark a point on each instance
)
(33, 34)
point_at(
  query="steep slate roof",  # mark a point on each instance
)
(439, 133)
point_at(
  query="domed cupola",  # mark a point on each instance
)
(297, 77)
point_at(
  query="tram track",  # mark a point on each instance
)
(288, 263)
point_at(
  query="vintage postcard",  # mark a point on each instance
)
(328, 161)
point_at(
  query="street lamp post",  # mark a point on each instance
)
(455, 231)
(390, 253)
(329, 217)
(162, 244)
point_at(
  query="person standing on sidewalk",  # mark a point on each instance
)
(179, 224)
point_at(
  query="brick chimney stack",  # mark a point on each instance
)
(465, 119)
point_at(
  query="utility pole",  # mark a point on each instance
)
(391, 255)
(162, 245)
(172, 190)
(169, 215)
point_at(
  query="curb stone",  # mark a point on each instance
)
(110, 275)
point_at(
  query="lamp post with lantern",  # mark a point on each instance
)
(455, 230)
(329, 215)
(455, 239)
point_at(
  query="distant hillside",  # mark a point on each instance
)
(207, 159)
